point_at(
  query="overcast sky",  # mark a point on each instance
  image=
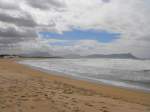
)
(61, 27)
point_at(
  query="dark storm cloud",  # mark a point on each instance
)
(10, 40)
(26, 21)
(45, 4)
(21, 28)
(12, 32)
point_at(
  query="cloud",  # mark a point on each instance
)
(25, 21)
(8, 5)
(45, 4)
(21, 20)
(12, 32)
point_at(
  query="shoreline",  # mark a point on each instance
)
(107, 86)
(70, 88)
(49, 72)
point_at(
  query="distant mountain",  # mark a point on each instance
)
(47, 55)
(114, 56)
(36, 54)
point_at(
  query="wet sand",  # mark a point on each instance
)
(23, 89)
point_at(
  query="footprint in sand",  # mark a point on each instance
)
(88, 104)
(3, 107)
(32, 107)
(104, 109)
(76, 109)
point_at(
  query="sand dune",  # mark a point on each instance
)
(25, 90)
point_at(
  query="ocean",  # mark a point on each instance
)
(128, 73)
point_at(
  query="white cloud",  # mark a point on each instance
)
(130, 18)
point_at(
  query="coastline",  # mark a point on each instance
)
(79, 78)
(77, 88)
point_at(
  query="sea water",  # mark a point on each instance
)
(129, 73)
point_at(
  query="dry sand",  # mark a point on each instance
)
(23, 89)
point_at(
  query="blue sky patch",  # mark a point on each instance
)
(102, 36)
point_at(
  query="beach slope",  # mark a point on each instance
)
(23, 89)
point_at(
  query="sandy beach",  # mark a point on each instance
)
(23, 89)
